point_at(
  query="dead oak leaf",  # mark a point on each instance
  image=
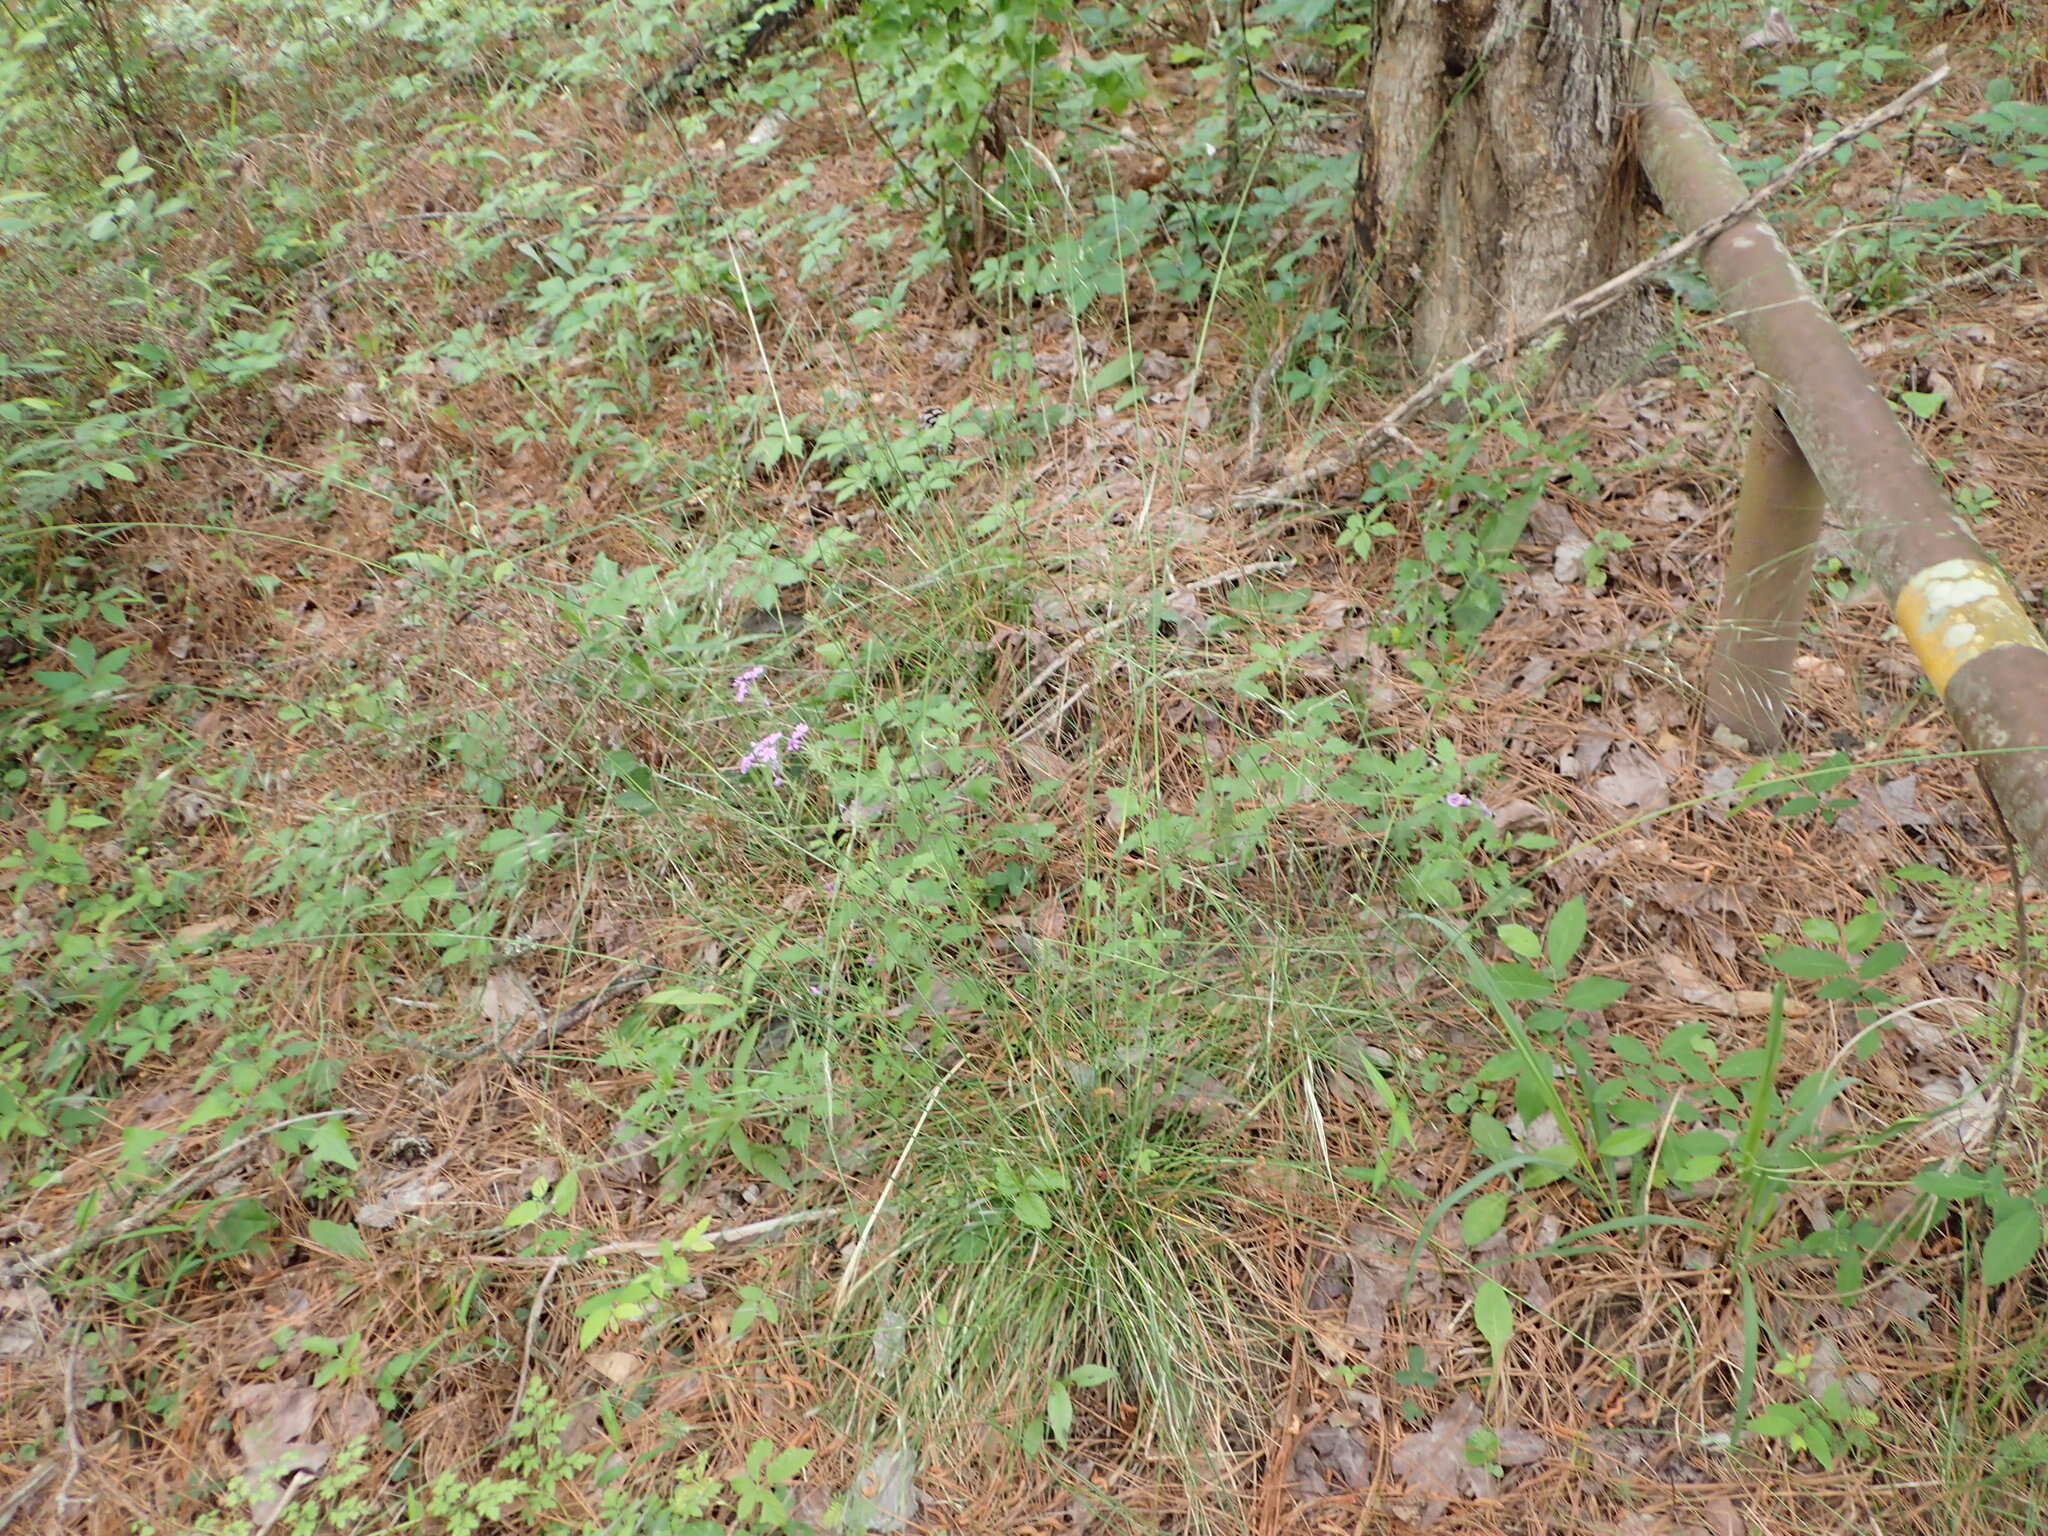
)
(1689, 985)
(1635, 781)
(1330, 1458)
(277, 1459)
(506, 997)
(1378, 1273)
(1437, 1464)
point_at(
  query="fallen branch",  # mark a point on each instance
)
(576, 1013)
(226, 1160)
(1059, 662)
(653, 1248)
(1577, 310)
(543, 1033)
(1290, 86)
(725, 1237)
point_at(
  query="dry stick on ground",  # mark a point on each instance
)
(2015, 1045)
(25, 1494)
(74, 1448)
(533, 1316)
(724, 1237)
(654, 1247)
(851, 1273)
(544, 1033)
(224, 1161)
(1577, 310)
(2004, 267)
(1289, 86)
(576, 1013)
(1220, 579)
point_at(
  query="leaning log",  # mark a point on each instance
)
(1987, 662)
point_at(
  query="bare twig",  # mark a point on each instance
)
(2005, 266)
(1255, 410)
(74, 1448)
(1050, 717)
(860, 1244)
(576, 1013)
(655, 1247)
(1289, 86)
(1220, 579)
(2015, 1045)
(544, 1033)
(1577, 310)
(26, 1493)
(540, 1299)
(224, 1161)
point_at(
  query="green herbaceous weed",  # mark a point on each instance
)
(658, 882)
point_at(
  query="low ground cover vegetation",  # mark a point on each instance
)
(673, 866)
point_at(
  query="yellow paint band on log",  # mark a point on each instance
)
(1955, 611)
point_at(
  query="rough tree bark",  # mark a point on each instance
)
(1496, 180)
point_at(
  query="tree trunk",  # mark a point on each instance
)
(1496, 180)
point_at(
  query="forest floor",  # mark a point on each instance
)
(677, 867)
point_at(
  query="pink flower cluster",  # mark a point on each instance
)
(769, 751)
(744, 683)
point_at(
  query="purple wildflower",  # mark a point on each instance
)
(1456, 800)
(744, 683)
(765, 753)
(768, 751)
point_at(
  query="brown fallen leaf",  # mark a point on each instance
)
(1329, 1459)
(1378, 1270)
(506, 997)
(277, 1458)
(1893, 805)
(1689, 985)
(1435, 1466)
(400, 1196)
(28, 1322)
(1776, 34)
(1634, 781)
(1901, 1302)
(1588, 751)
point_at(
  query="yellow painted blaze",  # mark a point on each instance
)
(1955, 611)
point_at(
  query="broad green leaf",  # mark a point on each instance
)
(1091, 1376)
(1589, 994)
(338, 1238)
(525, 1213)
(2014, 1240)
(328, 1141)
(1778, 1419)
(686, 997)
(1493, 1309)
(1567, 931)
(1809, 964)
(1627, 1141)
(1498, 1068)
(1491, 1138)
(1030, 1208)
(1520, 983)
(1520, 940)
(1059, 1411)
(1483, 1218)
